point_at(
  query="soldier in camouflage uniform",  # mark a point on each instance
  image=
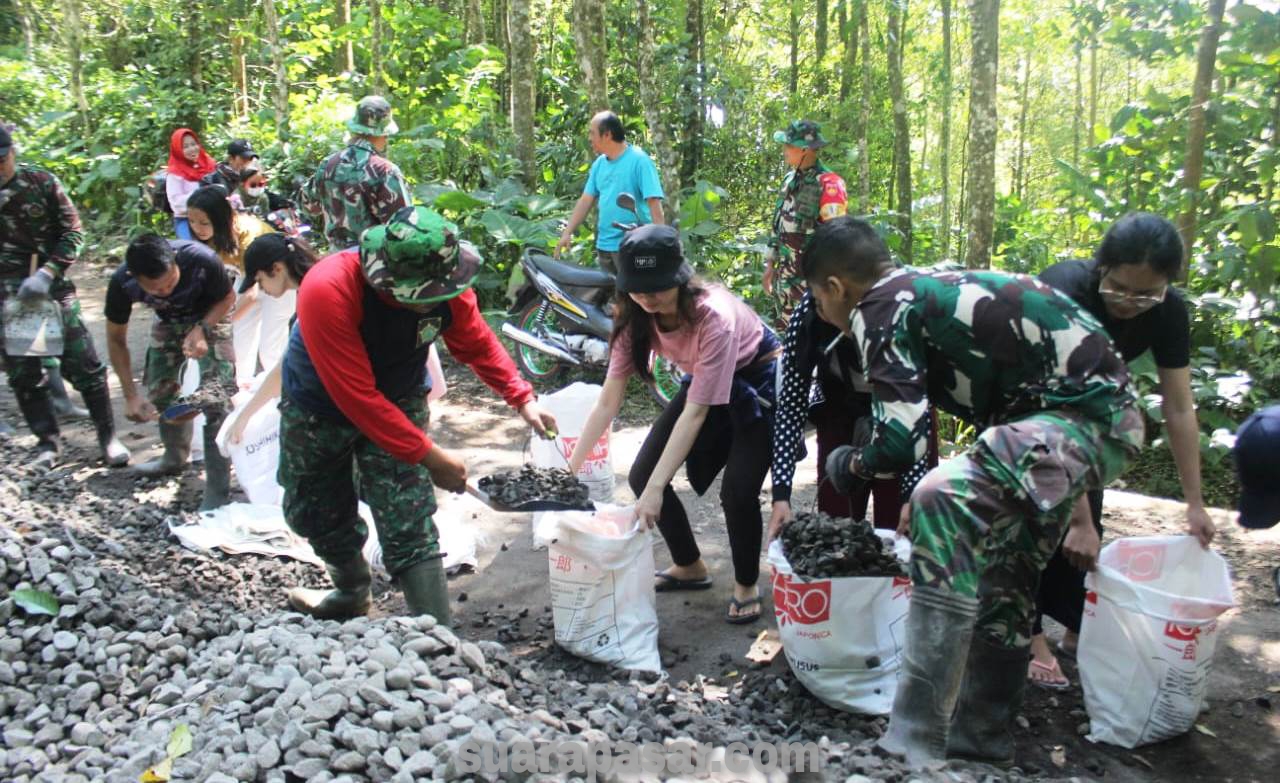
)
(811, 194)
(353, 409)
(37, 219)
(1039, 374)
(358, 188)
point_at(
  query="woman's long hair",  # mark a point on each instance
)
(212, 200)
(299, 259)
(632, 319)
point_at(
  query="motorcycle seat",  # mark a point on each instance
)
(568, 274)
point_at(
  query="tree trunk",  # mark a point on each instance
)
(474, 22)
(502, 36)
(864, 121)
(1093, 84)
(73, 35)
(240, 100)
(521, 64)
(651, 98)
(280, 96)
(24, 11)
(820, 48)
(985, 16)
(375, 46)
(849, 36)
(691, 153)
(901, 131)
(589, 35)
(345, 55)
(793, 79)
(1193, 168)
(945, 141)
(1019, 168)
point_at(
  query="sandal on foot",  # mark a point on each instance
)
(1059, 681)
(740, 618)
(668, 583)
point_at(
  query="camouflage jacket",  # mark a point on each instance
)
(809, 197)
(353, 190)
(987, 347)
(37, 216)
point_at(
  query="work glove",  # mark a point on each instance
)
(838, 473)
(36, 286)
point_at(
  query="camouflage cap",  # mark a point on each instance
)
(417, 258)
(802, 133)
(373, 117)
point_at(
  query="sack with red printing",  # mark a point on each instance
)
(1148, 636)
(843, 636)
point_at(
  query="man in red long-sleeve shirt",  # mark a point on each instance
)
(354, 381)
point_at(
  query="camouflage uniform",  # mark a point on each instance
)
(1010, 354)
(37, 217)
(357, 188)
(165, 360)
(809, 197)
(317, 457)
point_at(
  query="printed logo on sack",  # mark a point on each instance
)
(803, 603)
(1140, 562)
(901, 587)
(1090, 603)
(1187, 638)
(599, 452)
(563, 563)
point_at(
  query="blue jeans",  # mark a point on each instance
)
(182, 227)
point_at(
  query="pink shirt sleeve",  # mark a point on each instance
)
(716, 358)
(620, 364)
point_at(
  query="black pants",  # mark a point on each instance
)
(745, 463)
(1061, 594)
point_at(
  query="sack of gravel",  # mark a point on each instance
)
(601, 570)
(843, 635)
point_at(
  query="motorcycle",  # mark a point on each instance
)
(563, 318)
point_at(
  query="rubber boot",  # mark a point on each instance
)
(62, 404)
(939, 628)
(176, 437)
(114, 452)
(426, 591)
(351, 598)
(38, 411)
(217, 471)
(990, 697)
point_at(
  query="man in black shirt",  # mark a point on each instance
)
(1127, 286)
(187, 286)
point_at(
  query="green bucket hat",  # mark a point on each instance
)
(802, 133)
(373, 117)
(417, 258)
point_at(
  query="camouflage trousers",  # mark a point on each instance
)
(326, 466)
(80, 363)
(984, 523)
(165, 360)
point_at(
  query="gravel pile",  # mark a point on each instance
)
(148, 637)
(821, 546)
(529, 483)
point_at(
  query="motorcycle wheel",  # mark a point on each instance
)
(535, 364)
(667, 377)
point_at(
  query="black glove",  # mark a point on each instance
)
(838, 473)
(36, 286)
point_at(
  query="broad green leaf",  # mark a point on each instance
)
(36, 602)
(179, 741)
(457, 201)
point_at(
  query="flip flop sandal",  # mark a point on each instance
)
(1056, 669)
(670, 584)
(743, 619)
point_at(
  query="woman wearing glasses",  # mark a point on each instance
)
(1126, 286)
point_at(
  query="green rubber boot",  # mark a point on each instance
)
(991, 696)
(176, 438)
(351, 598)
(217, 470)
(426, 591)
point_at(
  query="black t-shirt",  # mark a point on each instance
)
(1165, 328)
(203, 282)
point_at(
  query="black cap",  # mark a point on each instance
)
(6, 140)
(651, 259)
(1257, 447)
(261, 254)
(241, 148)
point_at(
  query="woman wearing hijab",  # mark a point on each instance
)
(188, 162)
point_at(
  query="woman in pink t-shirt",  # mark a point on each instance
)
(721, 420)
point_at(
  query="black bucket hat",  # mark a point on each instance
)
(651, 259)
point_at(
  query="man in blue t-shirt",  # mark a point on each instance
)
(621, 168)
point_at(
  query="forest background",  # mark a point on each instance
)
(993, 134)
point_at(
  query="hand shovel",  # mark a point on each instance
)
(526, 506)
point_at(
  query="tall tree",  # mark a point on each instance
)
(849, 35)
(793, 30)
(694, 109)
(521, 65)
(593, 59)
(73, 36)
(864, 118)
(820, 48)
(28, 23)
(651, 98)
(985, 16)
(896, 35)
(945, 142)
(345, 54)
(280, 95)
(1020, 157)
(1193, 168)
(375, 46)
(474, 22)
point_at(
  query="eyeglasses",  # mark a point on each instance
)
(1144, 300)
